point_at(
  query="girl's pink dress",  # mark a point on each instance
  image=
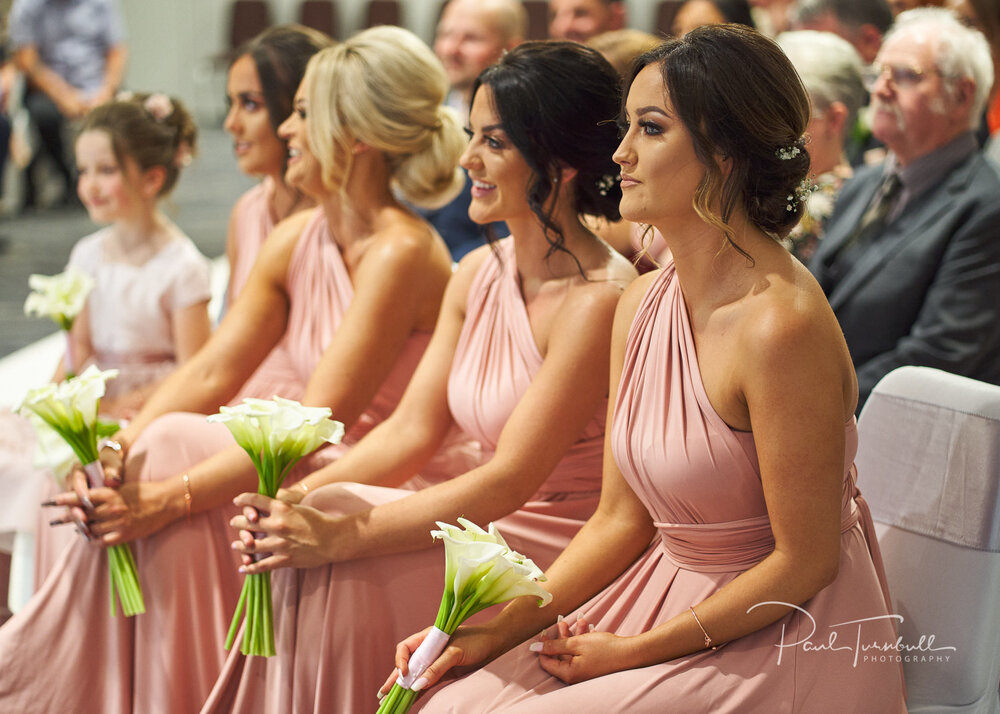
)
(129, 315)
(336, 626)
(701, 483)
(64, 652)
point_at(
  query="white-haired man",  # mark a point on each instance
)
(911, 257)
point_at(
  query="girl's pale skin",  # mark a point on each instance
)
(773, 361)
(127, 197)
(571, 323)
(399, 268)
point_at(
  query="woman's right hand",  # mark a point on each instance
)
(468, 649)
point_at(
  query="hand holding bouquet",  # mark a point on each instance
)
(70, 409)
(480, 571)
(276, 433)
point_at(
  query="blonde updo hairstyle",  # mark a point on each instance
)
(384, 87)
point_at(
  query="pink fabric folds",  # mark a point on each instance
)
(167, 659)
(337, 625)
(700, 481)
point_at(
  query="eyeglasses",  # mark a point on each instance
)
(901, 77)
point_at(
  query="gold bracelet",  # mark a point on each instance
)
(708, 640)
(188, 499)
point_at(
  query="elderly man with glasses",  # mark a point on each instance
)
(911, 257)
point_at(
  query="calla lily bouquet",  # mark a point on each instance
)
(60, 298)
(70, 409)
(480, 571)
(276, 433)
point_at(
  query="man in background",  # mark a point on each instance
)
(579, 20)
(911, 257)
(72, 54)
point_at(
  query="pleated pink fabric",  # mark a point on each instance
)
(701, 483)
(337, 625)
(253, 224)
(63, 651)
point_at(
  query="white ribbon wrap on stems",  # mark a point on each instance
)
(428, 651)
(70, 363)
(95, 474)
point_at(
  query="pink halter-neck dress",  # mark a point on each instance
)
(64, 652)
(701, 483)
(337, 625)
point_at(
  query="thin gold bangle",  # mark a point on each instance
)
(188, 499)
(708, 640)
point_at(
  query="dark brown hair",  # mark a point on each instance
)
(557, 102)
(280, 55)
(137, 133)
(743, 105)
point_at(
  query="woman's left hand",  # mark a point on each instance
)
(577, 658)
(119, 515)
(288, 535)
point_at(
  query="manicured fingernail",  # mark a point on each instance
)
(381, 695)
(87, 503)
(242, 570)
(49, 503)
(560, 619)
(419, 684)
(535, 647)
(591, 628)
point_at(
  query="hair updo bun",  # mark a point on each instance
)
(152, 129)
(740, 99)
(384, 88)
(432, 177)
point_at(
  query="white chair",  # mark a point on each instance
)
(929, 466)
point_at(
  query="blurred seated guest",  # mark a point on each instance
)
(911, 256)
(860, 22)
(729, 525)
(830, 69)
(72, 54)
(579, 20)
(772, 17)
(471, 35)
(984, 15)
(621, 47)
(695, 13)
(900, 6)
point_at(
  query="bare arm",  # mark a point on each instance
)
(793, 370)
(114, 72)
(546, 422)
(67, 98)
(397, 282)
(214, 374)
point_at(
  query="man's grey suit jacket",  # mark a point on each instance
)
(927, 290)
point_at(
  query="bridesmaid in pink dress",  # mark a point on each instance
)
(518, 359)
(731, 444)
(322, 280)
(280, 53)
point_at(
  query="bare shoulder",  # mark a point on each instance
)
(407, 242)
(787, 328)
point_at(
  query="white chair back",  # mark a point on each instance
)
(929, 467)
